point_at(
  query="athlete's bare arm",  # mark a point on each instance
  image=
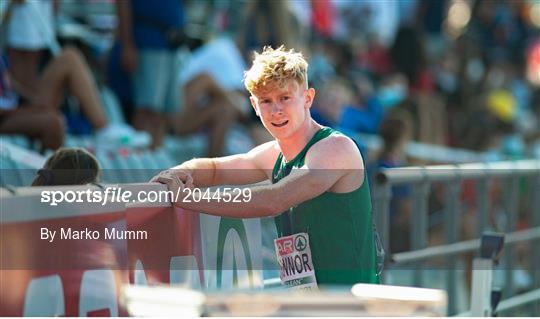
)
(333, 164)
(241, 169)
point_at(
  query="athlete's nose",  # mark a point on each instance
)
(277, 108)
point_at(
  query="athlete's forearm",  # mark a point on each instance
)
(202, 170)
(262, 201)
(270, 199)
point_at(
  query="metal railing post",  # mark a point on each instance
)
(482, 276)
(534, 220)
(512, 210)
(381, 212)
(451, 212)
(482, 204)
(419, 225)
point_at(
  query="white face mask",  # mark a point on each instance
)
(447, 81)
(475, 70)
(513, 144)
(390, 96)
(536, 149)
(496, 79)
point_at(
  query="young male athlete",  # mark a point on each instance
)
(318, 183)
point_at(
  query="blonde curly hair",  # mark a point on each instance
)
(274, 67)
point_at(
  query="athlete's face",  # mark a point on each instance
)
(283, 110)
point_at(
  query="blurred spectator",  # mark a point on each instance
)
(409, 57)
(323, 17)
(321, 69)
(408, 11)
(76, 166)
(446, 74)
(372, 56)
(149, 34)
(396, 132)
(31, 120)
(268, 23)
(484, 133)
(535, 107)
(504, 106)
(69, 166)
(431, 17)
(30, 33)
(363, 118)
(499, 29)
(301, 10)
(535, 138)
(378, 20)
(392, 91)
(429, 109)
(490, 127)
(355, 106)
(66, 72)
(350, 106)
(333, 97)
(431, 120)
(213, 93)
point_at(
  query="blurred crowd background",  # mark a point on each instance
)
(458, 73)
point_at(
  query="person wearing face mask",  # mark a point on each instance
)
(396, 132)
(317, 188)
(367, 117)
(393, 91)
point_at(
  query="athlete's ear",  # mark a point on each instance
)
(254, 105)
(310, 95)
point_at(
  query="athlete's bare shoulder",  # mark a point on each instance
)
(340, 155)
(265, 155)
(336, 151)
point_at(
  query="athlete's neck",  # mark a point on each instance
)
(292, 145)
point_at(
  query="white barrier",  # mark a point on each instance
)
(361, 300)
(83, 277)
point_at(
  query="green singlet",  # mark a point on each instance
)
(339, 226)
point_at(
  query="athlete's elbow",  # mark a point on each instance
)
(275, 200)
(278, 207)
(272, 209)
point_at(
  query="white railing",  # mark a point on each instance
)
(451, 177)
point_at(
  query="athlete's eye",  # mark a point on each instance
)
(285, 98)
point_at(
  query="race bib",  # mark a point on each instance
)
(295, 263)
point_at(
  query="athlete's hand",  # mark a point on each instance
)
(183, 176)
(176, 181)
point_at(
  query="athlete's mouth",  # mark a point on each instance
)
(280, 124)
